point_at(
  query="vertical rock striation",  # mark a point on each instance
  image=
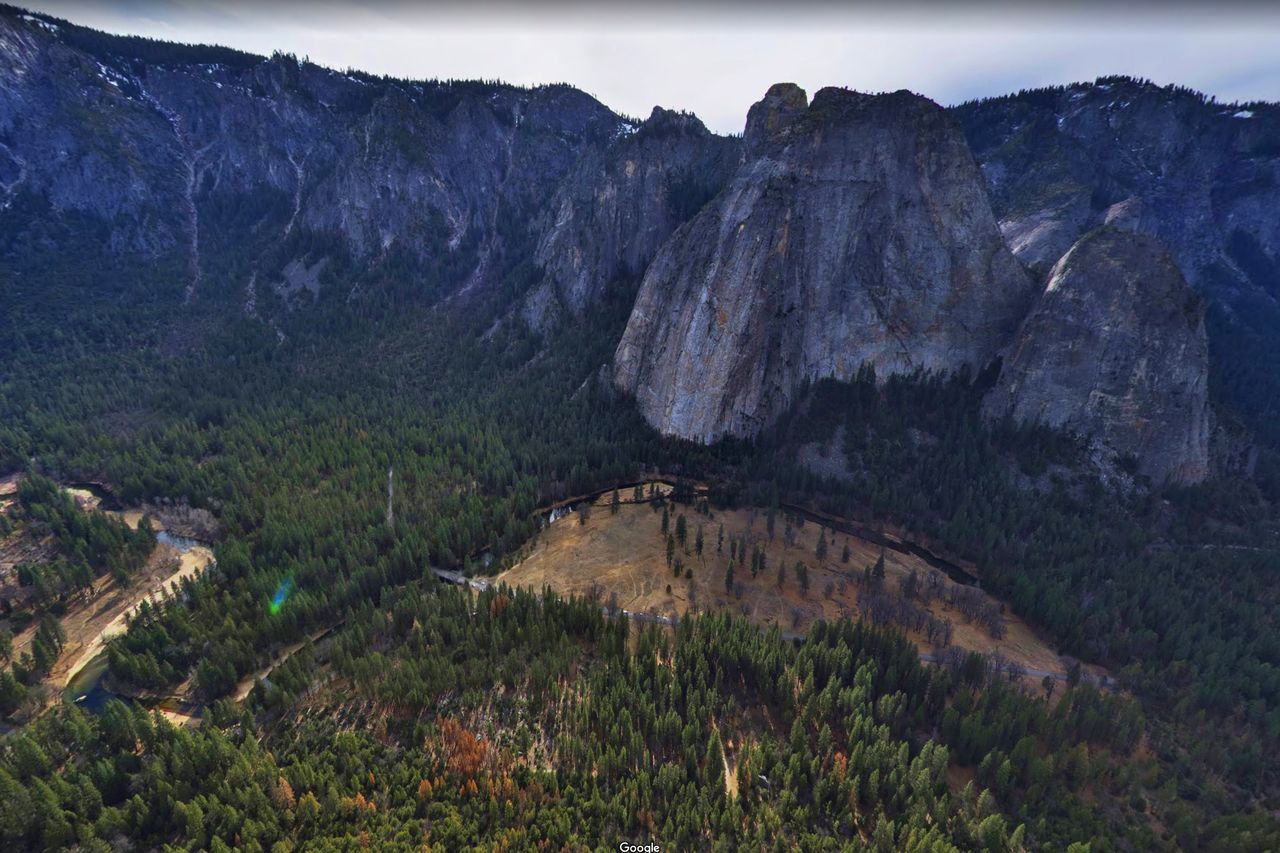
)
(618, 205)
(241, 164)
(856, 230)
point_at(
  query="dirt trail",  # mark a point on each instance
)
(730, 770)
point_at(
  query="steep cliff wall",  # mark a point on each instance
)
(1202, 176)
(619, 204)
(857, 230)
(229, 159)
(1115, 349)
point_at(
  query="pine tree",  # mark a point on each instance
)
(728, 578)
(715, 759)
(615, 502)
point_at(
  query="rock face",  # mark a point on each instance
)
(617, 207)
(241, 164)
(1203, 177)
(854, 229)
(1115, 349)
(857, 230)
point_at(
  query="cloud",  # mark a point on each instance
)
(715, 59)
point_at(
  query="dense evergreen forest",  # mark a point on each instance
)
(429, 715)
(520, 722)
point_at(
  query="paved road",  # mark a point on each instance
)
(1088, 678)
(926, 657)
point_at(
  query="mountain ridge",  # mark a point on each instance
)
(270, 184)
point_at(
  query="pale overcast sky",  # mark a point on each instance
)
(717, 58)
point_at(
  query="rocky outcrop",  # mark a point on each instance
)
(1202, 176)
(1115, 349)
(618, 205)
(856, 231)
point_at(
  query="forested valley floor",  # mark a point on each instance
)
(413, 713)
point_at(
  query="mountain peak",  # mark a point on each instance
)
(772, 115)
(662, 120)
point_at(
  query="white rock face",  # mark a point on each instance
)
(856, 230)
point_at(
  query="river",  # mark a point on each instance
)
(85, 687)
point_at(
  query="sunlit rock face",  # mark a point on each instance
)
(857, 230)
(1115, 349)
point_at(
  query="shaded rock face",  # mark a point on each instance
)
(48, 90)
(618, 205)
(856, 230)
(1201, 176)
(1115, 349)
(206, 153)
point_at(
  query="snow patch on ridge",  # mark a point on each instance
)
(53, 28)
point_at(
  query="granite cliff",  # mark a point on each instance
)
(1115, 349)
(618, 205)
(241, 165)
(857, 230)
(1202, 176)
